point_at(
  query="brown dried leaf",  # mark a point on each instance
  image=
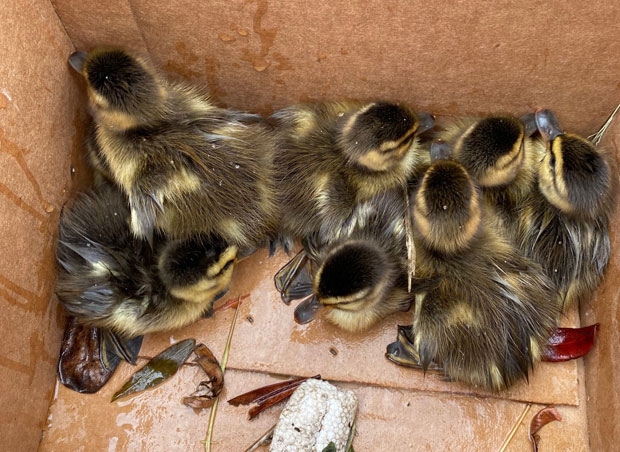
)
(540, 419)
(81, 366)
(207, 390)
(201, 398)
(158, 369)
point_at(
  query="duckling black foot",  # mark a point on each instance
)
(81, 365)
(114, 346)
(286, 243)
(294, 281)
(404, 353)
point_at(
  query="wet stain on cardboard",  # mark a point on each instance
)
(211, 71)
(187, 60)
(18, 153)
(284, 64)
(4, 100)
(267, 36)
(226, 37)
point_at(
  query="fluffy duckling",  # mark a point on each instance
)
(361, 277)
(187, 166)
(334, 155)
(110, 279)
(501, 155)
(565, 224)
(491, 311)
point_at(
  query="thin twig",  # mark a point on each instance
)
(515, 428)
(263, 440)
(223, 363)
(411, 255)
(598, 136)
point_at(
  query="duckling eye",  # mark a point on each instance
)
(552, 161)
(227, 265)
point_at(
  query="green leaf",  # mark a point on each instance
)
(331, 447)
(349, 446)
(158, 369)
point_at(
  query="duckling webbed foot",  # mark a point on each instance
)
(404, 353)
(114, 347)
(294, 280)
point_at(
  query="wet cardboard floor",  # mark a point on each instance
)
(400, 409)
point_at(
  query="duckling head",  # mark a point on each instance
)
(446, 207)
(353, 282)
(123, 91)
(197, 270)
(573, 176)
(492, 150)
(379, 136)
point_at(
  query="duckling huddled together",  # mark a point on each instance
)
(489, 227)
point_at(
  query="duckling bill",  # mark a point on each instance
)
(187, 166)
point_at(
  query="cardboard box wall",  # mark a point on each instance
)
(444, 57)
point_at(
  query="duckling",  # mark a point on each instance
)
(565, 223)
(333, 155)
(361, 276)
(501, 154)
(488, 317)
(110, 279)
(187, 166)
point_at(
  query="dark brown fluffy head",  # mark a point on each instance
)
(350, 272)
(491, 150)
(378, 136)
(446, 207)
(574, 176)
(123, 90)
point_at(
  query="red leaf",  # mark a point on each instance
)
(271, 401)
(268, 396)
(540, 419)
(261, 394)
(570, 343)
(230, 303)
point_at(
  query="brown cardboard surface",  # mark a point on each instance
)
(111, 23)
(442, 56)
(38, 135)
(261, 55)
(388, 419)
(603, 364)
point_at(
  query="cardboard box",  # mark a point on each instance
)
(443, 57)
